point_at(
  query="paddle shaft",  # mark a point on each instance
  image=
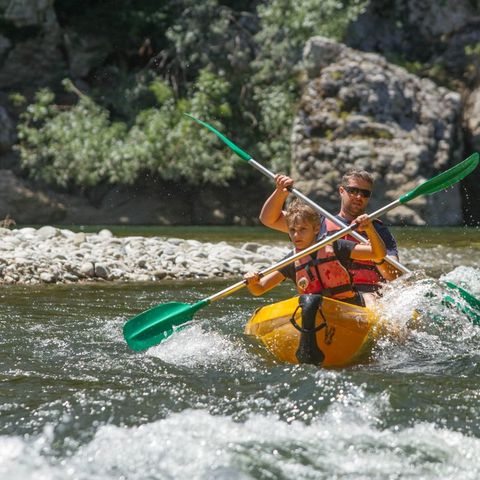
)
(325, 213)
(307, 251)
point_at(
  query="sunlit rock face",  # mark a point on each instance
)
(359, 111)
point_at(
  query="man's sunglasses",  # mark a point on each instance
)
(357, 191)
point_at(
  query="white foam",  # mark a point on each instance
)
(421, 322)
(194, 347)
(194, 444)
(465, 277)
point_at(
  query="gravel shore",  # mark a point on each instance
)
(53, 255)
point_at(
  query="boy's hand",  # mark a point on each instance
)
(252, 278)
(283, 182)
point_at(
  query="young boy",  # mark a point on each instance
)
(324, 271)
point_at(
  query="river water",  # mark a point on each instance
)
(211, 403)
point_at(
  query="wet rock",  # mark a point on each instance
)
(47, 277)
(105, 234)
(101, 270)
(7, 131)
(251, 246)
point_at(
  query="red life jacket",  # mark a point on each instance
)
(321, 272)
(364, 272)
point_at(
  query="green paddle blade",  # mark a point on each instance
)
(154, 325)
(242, 154)
(444, 179)
(473, 315)
(468, 297)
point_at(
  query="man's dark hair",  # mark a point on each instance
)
(354, 173)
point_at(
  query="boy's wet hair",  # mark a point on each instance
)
(297, 211)
(355, 173)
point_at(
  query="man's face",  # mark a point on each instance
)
(353, 196)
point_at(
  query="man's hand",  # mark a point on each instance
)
(283, 182)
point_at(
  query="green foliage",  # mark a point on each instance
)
(63, 146)
(177, 149)
(17, 99)
(81, 146)
(473, 50)
(237, 69)
(288, 24)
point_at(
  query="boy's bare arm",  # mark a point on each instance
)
(258, 285)
(388, 271)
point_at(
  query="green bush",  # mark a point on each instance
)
(80, 146)
(239, 70)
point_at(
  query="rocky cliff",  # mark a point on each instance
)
(359, 111)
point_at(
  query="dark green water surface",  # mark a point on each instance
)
(210, 403)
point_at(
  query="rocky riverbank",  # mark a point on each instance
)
(53, 255)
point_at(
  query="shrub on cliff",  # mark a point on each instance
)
(81, 146)
(239, 70)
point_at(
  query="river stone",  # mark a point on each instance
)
(104, 234)
(67, 233)
(27, 231)
(87, 269)
(251, 246)
(101, 270)
(49, 255)
(47, 277)
(70, 277)
(142, 263)
(79, 238)
(160, 274)
(176, 241)
(48, 232)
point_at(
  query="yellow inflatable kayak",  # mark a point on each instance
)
(315, 329)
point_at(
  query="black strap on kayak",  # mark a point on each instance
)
(308, 351)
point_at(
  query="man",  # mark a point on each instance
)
(355, 191)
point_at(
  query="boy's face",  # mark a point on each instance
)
(303, 234)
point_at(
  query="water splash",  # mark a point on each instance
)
(195, 444)
(466, 277)
(194, 347)
(425, 329)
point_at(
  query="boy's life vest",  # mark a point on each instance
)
(364, 272)
(322, 272)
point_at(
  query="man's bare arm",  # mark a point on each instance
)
(272, 214)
